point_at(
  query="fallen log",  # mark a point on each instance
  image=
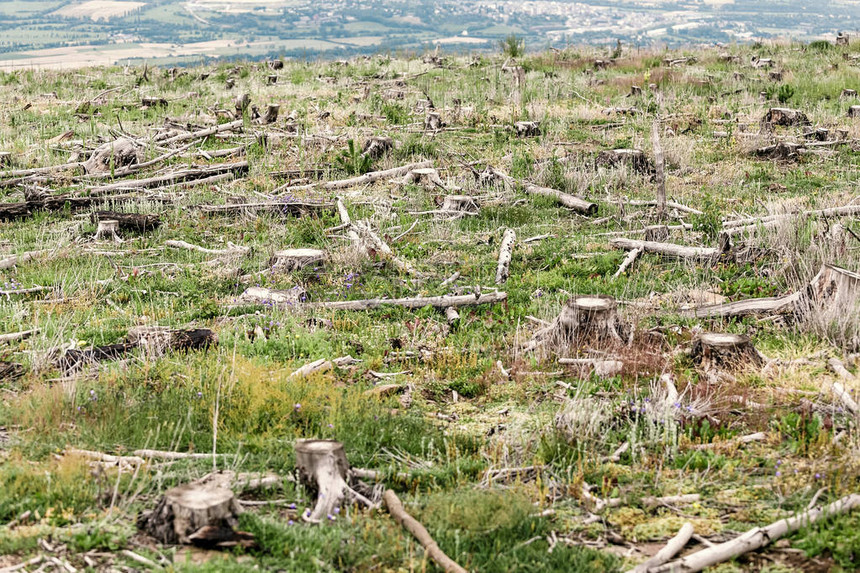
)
(365, 179)
(505, 253)
(666, 249)
(183, 176)
(670, 550)
(203, 132)
(671, 204)
(413, 526)
(283, 207)
(756, 538)
(628, 260)
(231, 250)
(13, 336)
(13, 260)
(565, 199)
(137, 222)
(440, 302)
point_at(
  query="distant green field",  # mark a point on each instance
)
(21, 9)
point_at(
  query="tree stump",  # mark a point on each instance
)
(376, 147)
(527, 128)
(842, 39)
(785, 117)
(270, 115)
(107, 228)
(272, 79)
(635, 91)
(295, 259)
(322, 469)
(817, 134)
(426, 177)
(433, 122)
(854, 111)
(276, 64)
(229, 84)
(5, 158)
(462, 203)
(849, 93)
(775, 76)
(590, 317)
(657, 233)
(241, 104)
(720, 352)
(633, 158)
(186, 510)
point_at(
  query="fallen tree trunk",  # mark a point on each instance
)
(137, 222)
(203, 132)
(671, 549)
(360, 180)
(628, 260)
(505, 253)
(440, 302)
(666, 249)
(183, 176)
(278, 207)
(413, 526)
(756, 538)
(11, 261)
(565, 199)
(231, 250)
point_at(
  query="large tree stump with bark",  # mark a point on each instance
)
(585, 320)
(720, 352)
(322, 469)
(186, 510)
(459, 203)
(376, 147)
(294, 259)
(527, 128)
(785, 117)
(426, 177)
(270, 115)
(433, 122)
(241, 104)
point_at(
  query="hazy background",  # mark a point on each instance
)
(68, 33)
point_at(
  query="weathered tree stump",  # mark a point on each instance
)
(785, 117)
(275, 64)
(464, 203)
(137, 222)
(634, 158)
(425, 177)
(322, 469)
(720, 352)
(241, 104)
(230, 83)
(842, 39)
(113, 155)
(107, 229)
(433, 122)
(854, 111)
(159, 339)
(846, 93)
(270, 115)
(784, 150)
(272, 79)
(527, 128)
(775, 76)
(186, 510)
(5, 158)
(635, 91)
(376, 147)
(294, 259)
(590, 317)
(761, 62)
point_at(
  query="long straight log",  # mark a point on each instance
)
(441, 302)
(176, 177)
(670, 550)
(671, 204)
(203, 133)
(666, 249)
(11, 261)
(506, 252)
(232, 250)
(566, 199)
(745, 307)
(740, 226)
(756, 538)
(360, 180)
(413, 526)
(282, 207)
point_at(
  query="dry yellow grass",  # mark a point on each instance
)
(99, 9)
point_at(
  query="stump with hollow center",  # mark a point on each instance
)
(294, 259)
(716, 351)
(322, 469)
(107, 229)
(183, 511)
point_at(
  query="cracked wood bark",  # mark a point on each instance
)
(413, 526)
(323, 469)
(756, 538)
(666, 249)
(506, 251)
